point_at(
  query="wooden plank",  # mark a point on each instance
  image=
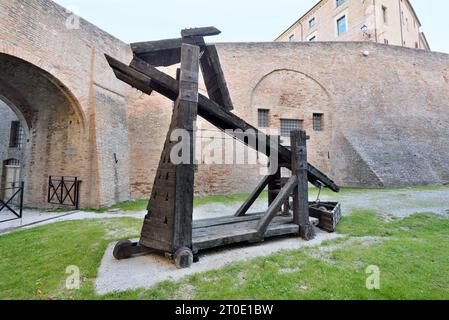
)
(185, 172)
(275, 207)
(214, 78)
(244, 232)
(200, 32)
(253, 197)
(145, 77)
(301, 191)
(205, 223)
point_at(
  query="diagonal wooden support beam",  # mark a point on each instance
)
(146, 78)
(253, 197)
(275, 207)
(214, 79)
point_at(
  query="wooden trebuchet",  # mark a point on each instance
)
(169, 227)
(146, 78)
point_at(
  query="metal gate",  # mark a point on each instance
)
(64, 191)
(11, 201)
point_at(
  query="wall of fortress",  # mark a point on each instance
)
(386, 115)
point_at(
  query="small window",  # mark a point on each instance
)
(312, 38)
(342, 25)
(385, 14)
(291, 38)
(312, 23)
(318, 122)
(17, 135)
(340, 2)
(264, 118)
(289, 125)
(13, 163)
(416, 45)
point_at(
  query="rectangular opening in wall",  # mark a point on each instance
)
(312, 23)
(289, 125)
(340, 2)
(385, 14)
(342, 25)
(16, 135)
(263, 118)
(318, 122)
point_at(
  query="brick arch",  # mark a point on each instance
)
(260, 81)
(292, 94)
(49, 70)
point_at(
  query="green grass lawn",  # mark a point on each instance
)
(412, 254)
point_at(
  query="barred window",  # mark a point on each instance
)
(318, 123)
(289, 125)
(264, 118)
(13, 162)
(17, 135)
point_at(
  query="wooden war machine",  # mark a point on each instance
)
(169, 227)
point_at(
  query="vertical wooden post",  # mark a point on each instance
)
(185, 173)
(301, 192)
(275, 183)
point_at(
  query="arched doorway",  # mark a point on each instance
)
(44, 131)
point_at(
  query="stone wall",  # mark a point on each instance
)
(385, 115)
(46, 37)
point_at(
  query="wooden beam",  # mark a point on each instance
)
(214, 78)
(200, 32)
(185, 172)
(207, 109)
(253, 197)
(164, 53)
(275, 207)
(301, 192)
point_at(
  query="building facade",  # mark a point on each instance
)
(393, 22)
(368, 127)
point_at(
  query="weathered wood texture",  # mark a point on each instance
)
(200, 32)
(274, 187)
(145, 77)
(207, 234)
(328, 214)
(275, 207)
(164, 53)
(214, 78)
(301, 191)
(253, 197)
(168, 225)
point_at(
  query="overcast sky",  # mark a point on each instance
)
(239, 20)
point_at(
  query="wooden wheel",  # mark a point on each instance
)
(121, 250)
(183, 258)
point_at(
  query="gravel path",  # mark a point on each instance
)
(146, 271)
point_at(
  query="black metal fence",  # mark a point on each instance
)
(64, 191)
(11, 201)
